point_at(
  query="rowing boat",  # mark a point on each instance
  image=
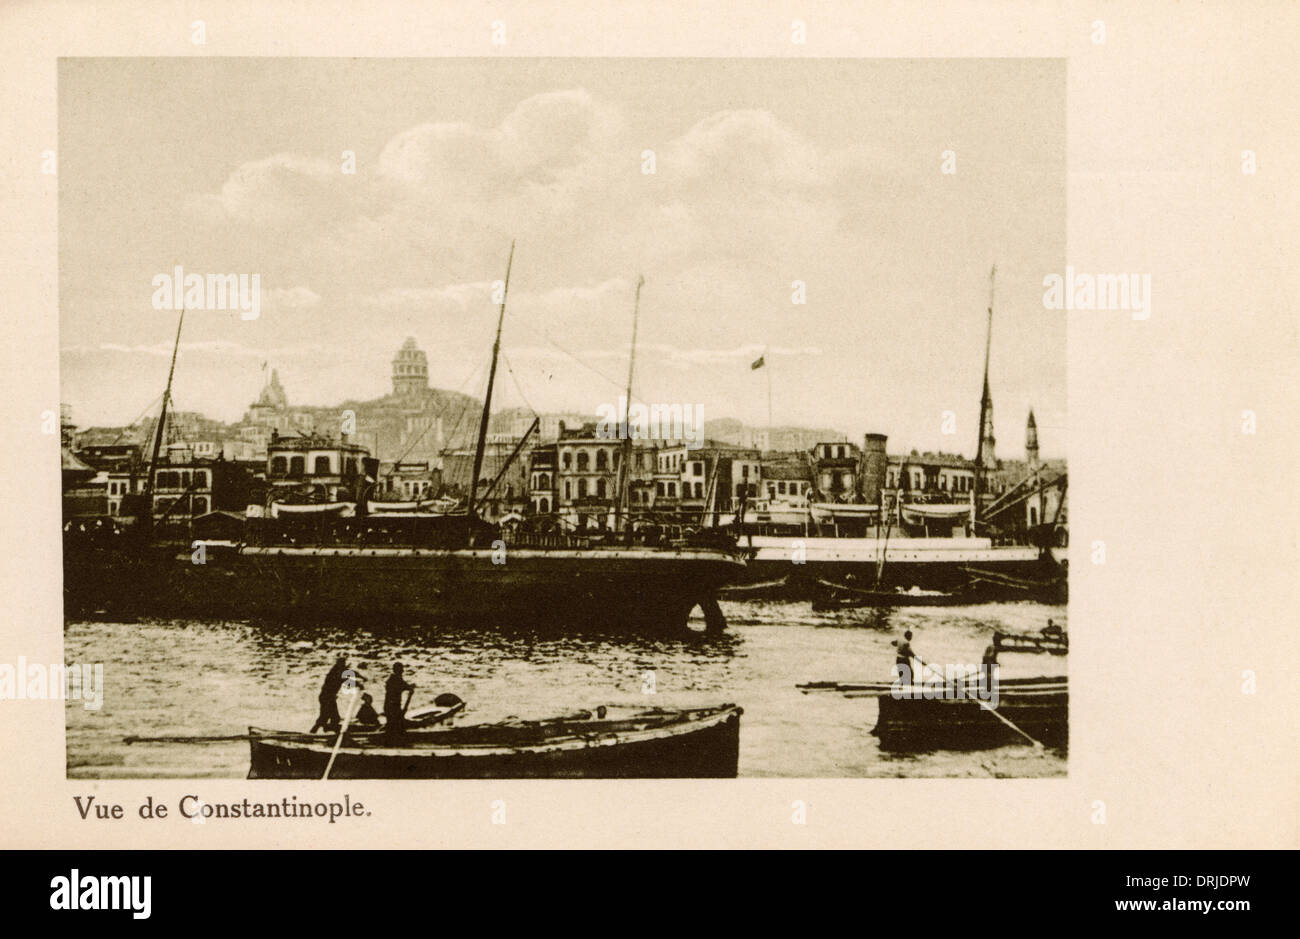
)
(1033, 714)
(854, 689)
(1054, 643)
(931, 717)
(655, 743)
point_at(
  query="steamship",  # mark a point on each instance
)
(935, 528)
(334, 563)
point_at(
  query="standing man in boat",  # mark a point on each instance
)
(328, 719)
(989, 666)
(394, 709)
(903, 657)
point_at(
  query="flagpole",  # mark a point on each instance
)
(767, 367)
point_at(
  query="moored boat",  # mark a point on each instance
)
(656, 743)
(924, 717)
(1031, 714)
(1055, 643)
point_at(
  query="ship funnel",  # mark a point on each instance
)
(875, 464)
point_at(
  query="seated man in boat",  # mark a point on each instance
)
(367, 716)
(328, 719)
(394, 710)
(1052, 630)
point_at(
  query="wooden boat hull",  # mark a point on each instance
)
(701, 743)
(915, 724)
(1054, 645)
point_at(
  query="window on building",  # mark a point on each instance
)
(602, 460)
(321, 466)
(584, 461)
(201, 479)
(297, 465)
(582, 488)
(568, 489)
(544, 505)
(568, 460)
(600, 485)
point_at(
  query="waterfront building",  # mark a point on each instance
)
(787, 477)
(835, 466)
(186, 486)
(586, 475)
(313, 467)
(408, 481)
(541, 479)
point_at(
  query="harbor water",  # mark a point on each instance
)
(191, 678)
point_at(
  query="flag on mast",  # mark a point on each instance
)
(758, 362)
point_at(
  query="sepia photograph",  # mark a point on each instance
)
(479, 418)
(441, 433)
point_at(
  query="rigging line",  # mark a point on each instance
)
(515, 379)
(591, 368)
(147, 408)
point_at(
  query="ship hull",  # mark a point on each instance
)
(972, 566)
(604, 587)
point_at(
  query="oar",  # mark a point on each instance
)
(1037, 745)
(219, 738)
(352, 693)
(407, 703)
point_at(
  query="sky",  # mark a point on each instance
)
(766, 172)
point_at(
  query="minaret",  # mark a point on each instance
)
(987, 441)
(984, 456)
(1031, 440)
(410, 370)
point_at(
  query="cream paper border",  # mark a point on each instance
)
(1199, 519)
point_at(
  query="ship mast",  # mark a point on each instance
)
(984, 395)
(621, 505)
(158, 431)
(470, 513)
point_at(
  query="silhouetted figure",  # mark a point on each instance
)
(367, 716)
(328, 719)
(989, 666)
(903, 657)
(394, 712)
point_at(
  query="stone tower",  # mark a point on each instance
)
(410, 370)
(1031, 440)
